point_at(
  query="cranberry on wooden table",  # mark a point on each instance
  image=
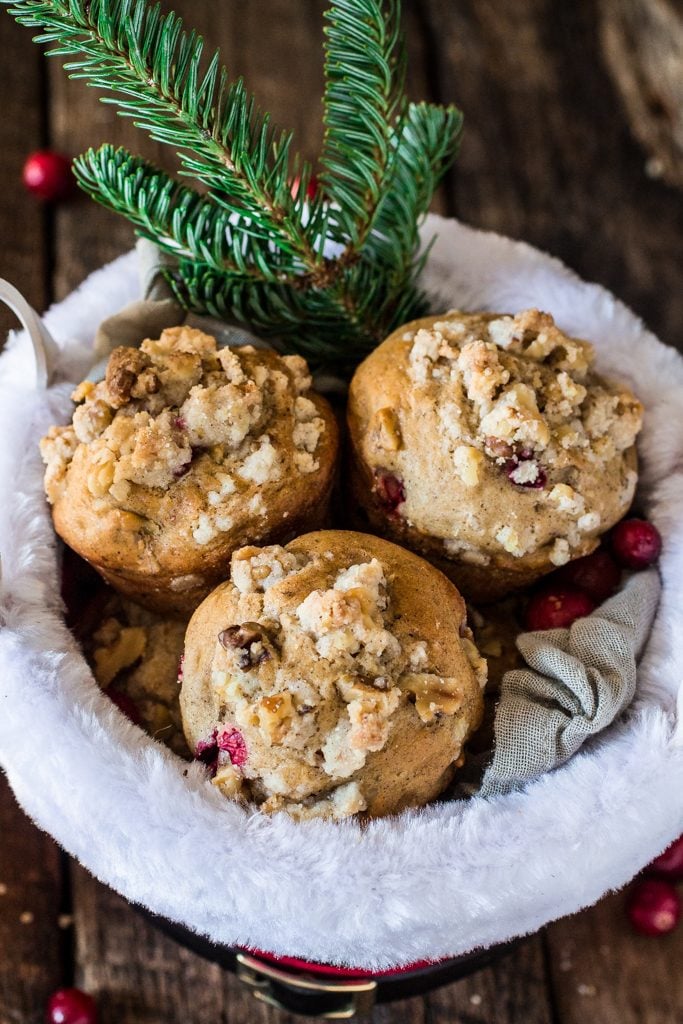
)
(653, 907)
(70, 1006)
(557, 608)
(48, 175)
(636, 543)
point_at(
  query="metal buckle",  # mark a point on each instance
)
(300, 993)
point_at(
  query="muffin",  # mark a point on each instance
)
(184, 453)
(488, 444)
(330, 677)
(135, 657)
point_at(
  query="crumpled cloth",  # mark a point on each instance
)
(577, 682)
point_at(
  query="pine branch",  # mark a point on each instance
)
(304, 318)
(424, 149)
(364, 77)
(245, 247)
(179, 220)
(153, 68)
(304, 321)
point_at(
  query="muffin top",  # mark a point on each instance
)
(308, 657)
(494, 433)
(181, 442)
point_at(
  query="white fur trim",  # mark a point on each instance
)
(431, 883)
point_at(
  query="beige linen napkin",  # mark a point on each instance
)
(577, 681)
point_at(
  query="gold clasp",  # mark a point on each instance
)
(341, 1000)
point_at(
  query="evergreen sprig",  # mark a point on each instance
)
(328, 276)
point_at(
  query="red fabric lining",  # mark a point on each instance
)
(338, 972)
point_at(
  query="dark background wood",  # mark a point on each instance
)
(555, 153)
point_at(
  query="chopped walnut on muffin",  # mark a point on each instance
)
(183, 453)
(489, 444)
(320, 682)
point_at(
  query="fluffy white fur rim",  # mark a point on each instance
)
(427, 884)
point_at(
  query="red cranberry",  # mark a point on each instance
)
(654, 907)
(181, 665)
(670, 863)
(126, 705)
(557, 608)
(636, 543)
(598, 574)
(48, 175)
(70, 1006)
(206, 751)
(390, 490)
(232, 741)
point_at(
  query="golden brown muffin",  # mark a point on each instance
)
(488, 444)
(331, 677)
(183, 453)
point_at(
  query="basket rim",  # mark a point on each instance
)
(380, 895)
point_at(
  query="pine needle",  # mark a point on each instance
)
(246, 245)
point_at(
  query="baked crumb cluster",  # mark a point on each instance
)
(518, 406)
(136, 653)
(321, 677)
(179, 409)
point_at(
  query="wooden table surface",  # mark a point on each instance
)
(549, 156)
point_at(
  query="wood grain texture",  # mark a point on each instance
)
(30, 902)
(163, 983)
(602, 972)
(24, 255)
(30, 877)
(643, 45)
(547, 155)
(513, 990)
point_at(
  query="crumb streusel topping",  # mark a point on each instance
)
(504, 439)
(210, 425)
(312, 683)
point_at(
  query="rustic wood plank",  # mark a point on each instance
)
(24, 256)
(643, 46)
(31, 941)
(603, 972)
(140, 976)
(546, 155)
(137, 975)
(511, 991)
